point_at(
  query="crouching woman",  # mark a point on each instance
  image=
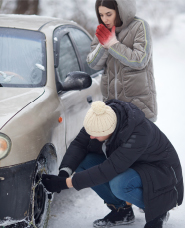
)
(123, 157)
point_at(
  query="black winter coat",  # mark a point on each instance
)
(136, 143)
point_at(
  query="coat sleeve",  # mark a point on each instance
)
(137, 57)
(119, 161)
(97, 58)
(76, 151)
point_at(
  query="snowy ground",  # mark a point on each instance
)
(71, 209)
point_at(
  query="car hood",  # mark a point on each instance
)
(13, 100)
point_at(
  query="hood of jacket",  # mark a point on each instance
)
(127, 12)
(128, 117)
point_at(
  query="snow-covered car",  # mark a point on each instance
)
(46, 88)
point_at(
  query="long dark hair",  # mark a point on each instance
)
(111, 4)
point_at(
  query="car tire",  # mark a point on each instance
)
(41, 199)
(40, 203)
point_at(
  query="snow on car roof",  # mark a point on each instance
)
(30, 22)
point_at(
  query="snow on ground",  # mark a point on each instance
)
(70, 208)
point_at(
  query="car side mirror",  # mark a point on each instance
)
(76, 80)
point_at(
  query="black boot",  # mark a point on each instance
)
(158, 222)
(121, 216)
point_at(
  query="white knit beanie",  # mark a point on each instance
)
(100, 120)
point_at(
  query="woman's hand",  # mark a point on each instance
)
(105, 37)
(54, 183)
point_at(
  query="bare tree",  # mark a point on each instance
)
(27, 7)
(1, 1)
(82, 18)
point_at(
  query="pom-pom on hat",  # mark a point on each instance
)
(100, 120)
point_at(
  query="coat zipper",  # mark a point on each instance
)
(104, 149)
(174, 174)
(115, 84)
(175, 186)
(177, 196)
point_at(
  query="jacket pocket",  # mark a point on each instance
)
(162, 176)
(135, 83)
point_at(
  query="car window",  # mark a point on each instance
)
(68, 61)
(83, 43)
(23, 58)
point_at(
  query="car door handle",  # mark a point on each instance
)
(89, 99)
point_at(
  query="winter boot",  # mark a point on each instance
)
(121, 216)
(158, 222)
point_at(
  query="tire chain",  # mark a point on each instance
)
(32, 222)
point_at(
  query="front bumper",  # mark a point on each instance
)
(15, 191)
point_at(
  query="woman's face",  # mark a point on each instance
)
(100, 138)
(108, 16)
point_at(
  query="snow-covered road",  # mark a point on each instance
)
(72, 209)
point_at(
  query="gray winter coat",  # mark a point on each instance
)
(128, 65)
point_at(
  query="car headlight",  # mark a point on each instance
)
(5, 145)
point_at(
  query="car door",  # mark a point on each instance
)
(71, 46)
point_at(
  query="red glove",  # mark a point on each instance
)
(105, 37)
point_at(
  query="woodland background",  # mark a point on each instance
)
(160, 14)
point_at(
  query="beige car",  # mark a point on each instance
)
(46, 88)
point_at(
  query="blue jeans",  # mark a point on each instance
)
(126, 186)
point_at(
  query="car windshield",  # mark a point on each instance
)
(22, 58)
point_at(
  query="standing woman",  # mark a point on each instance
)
(122, 47)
